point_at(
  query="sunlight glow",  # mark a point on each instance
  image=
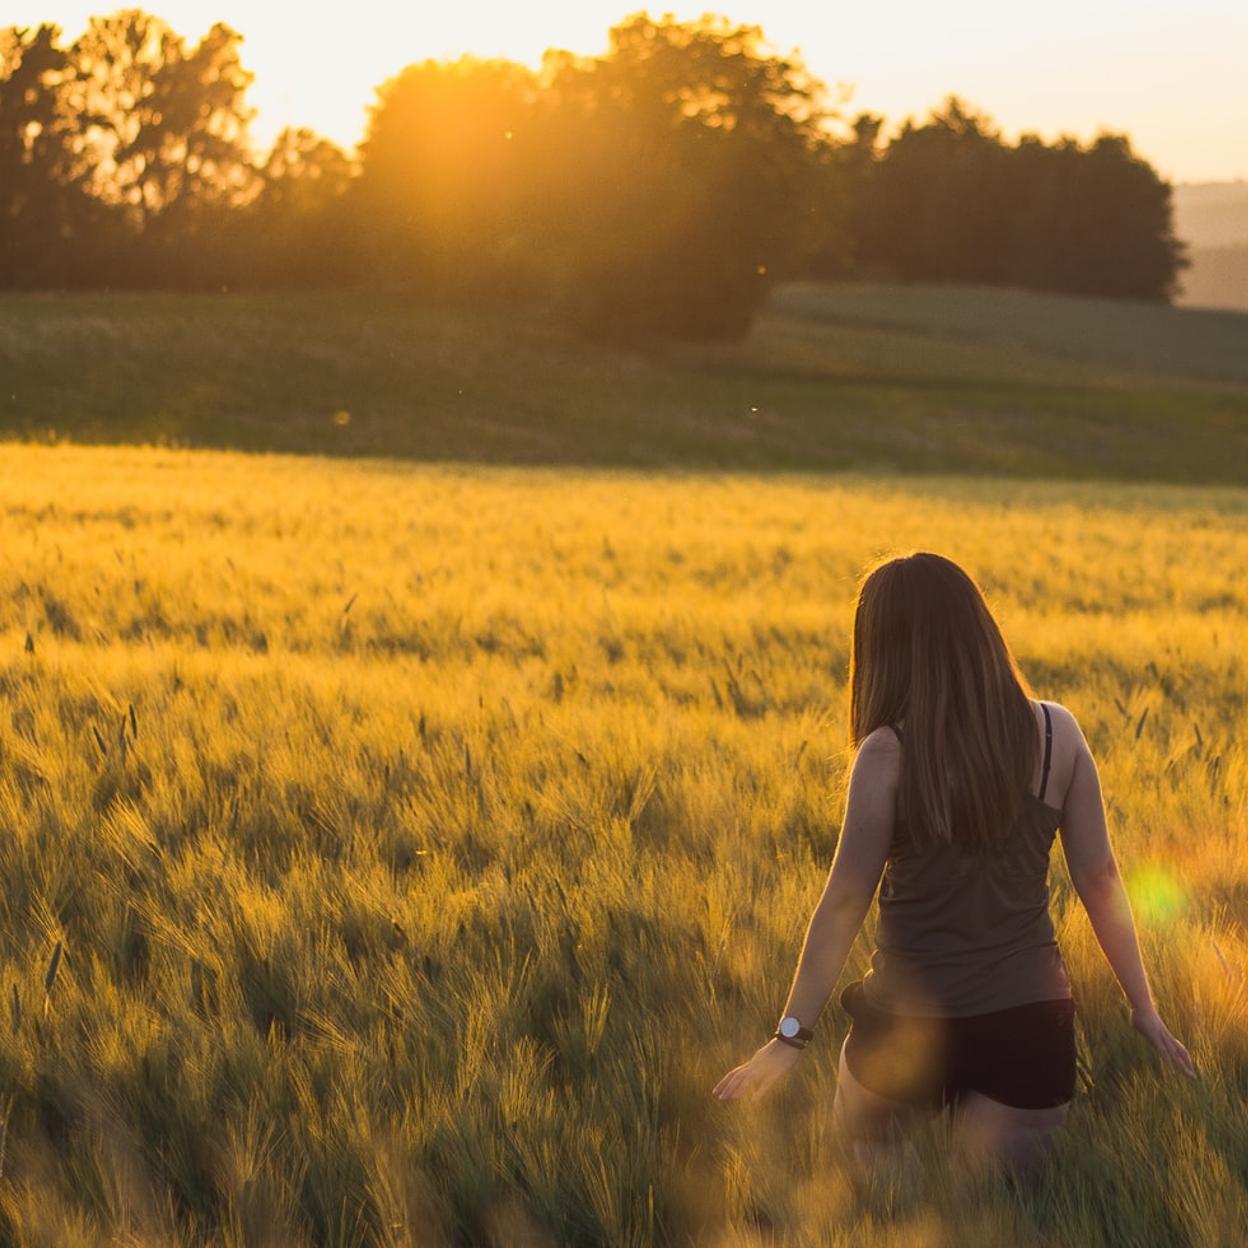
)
(1169, 75)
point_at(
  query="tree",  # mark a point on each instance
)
(164, 135)
(694, 174)
(297, 230)
(841, 251)
(933, 209)
(662, 187)
(949, 201)
(45, 212)
(445, 195)
(1116, 224)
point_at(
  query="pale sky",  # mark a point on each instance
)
(1171, 74)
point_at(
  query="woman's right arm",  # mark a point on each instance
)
(1094, 873)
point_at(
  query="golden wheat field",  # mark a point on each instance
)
(398, 854)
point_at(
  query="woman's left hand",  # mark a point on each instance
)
(753, 1078)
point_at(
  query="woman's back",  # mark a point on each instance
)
(967, 1003)
(962, 932)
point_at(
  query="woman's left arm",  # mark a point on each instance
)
(859, 860)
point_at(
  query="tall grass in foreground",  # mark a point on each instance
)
(422, 844)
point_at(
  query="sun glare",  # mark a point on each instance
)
(1083, 69)
(296, 84)
(1156, 895)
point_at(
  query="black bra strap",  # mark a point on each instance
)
(1048, 749)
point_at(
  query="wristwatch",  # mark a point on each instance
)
(791, 1031)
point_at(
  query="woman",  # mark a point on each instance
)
(960, 782)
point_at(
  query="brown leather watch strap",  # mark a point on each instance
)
(797, 1044)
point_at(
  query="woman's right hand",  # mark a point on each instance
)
(1148, 1023)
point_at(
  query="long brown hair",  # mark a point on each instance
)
(926, 649)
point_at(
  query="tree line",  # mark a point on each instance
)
(659, 188)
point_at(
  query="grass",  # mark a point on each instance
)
(1128, 335)
(422, 842)
(878, 379)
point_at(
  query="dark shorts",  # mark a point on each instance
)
(1023, 1056)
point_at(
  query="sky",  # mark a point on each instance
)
(1169, 74)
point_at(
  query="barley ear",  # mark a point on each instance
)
(4, 1128)
(50, 978)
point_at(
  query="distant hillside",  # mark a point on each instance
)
(1126, 339)
(1218, 278)
(866, 377)
(1212, 214)
(1212, 217)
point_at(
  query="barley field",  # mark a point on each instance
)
(397, 854)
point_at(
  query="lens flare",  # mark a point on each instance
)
(1156, 896)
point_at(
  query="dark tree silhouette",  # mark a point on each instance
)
(297, 231)
(694, 174)
(841, 251)
(660, 188)
(948, 201)
(45, 213)
(165, 135)
(931, 212)
(1113, 225)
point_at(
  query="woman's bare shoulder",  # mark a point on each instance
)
(1063, 719)
(878, 754)
(882, 740)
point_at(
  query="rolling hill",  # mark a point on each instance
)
(873, 378)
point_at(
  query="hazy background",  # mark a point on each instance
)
(1213, 218)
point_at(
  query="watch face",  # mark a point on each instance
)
(789, 1026)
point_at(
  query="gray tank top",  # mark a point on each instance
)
(967, 932)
